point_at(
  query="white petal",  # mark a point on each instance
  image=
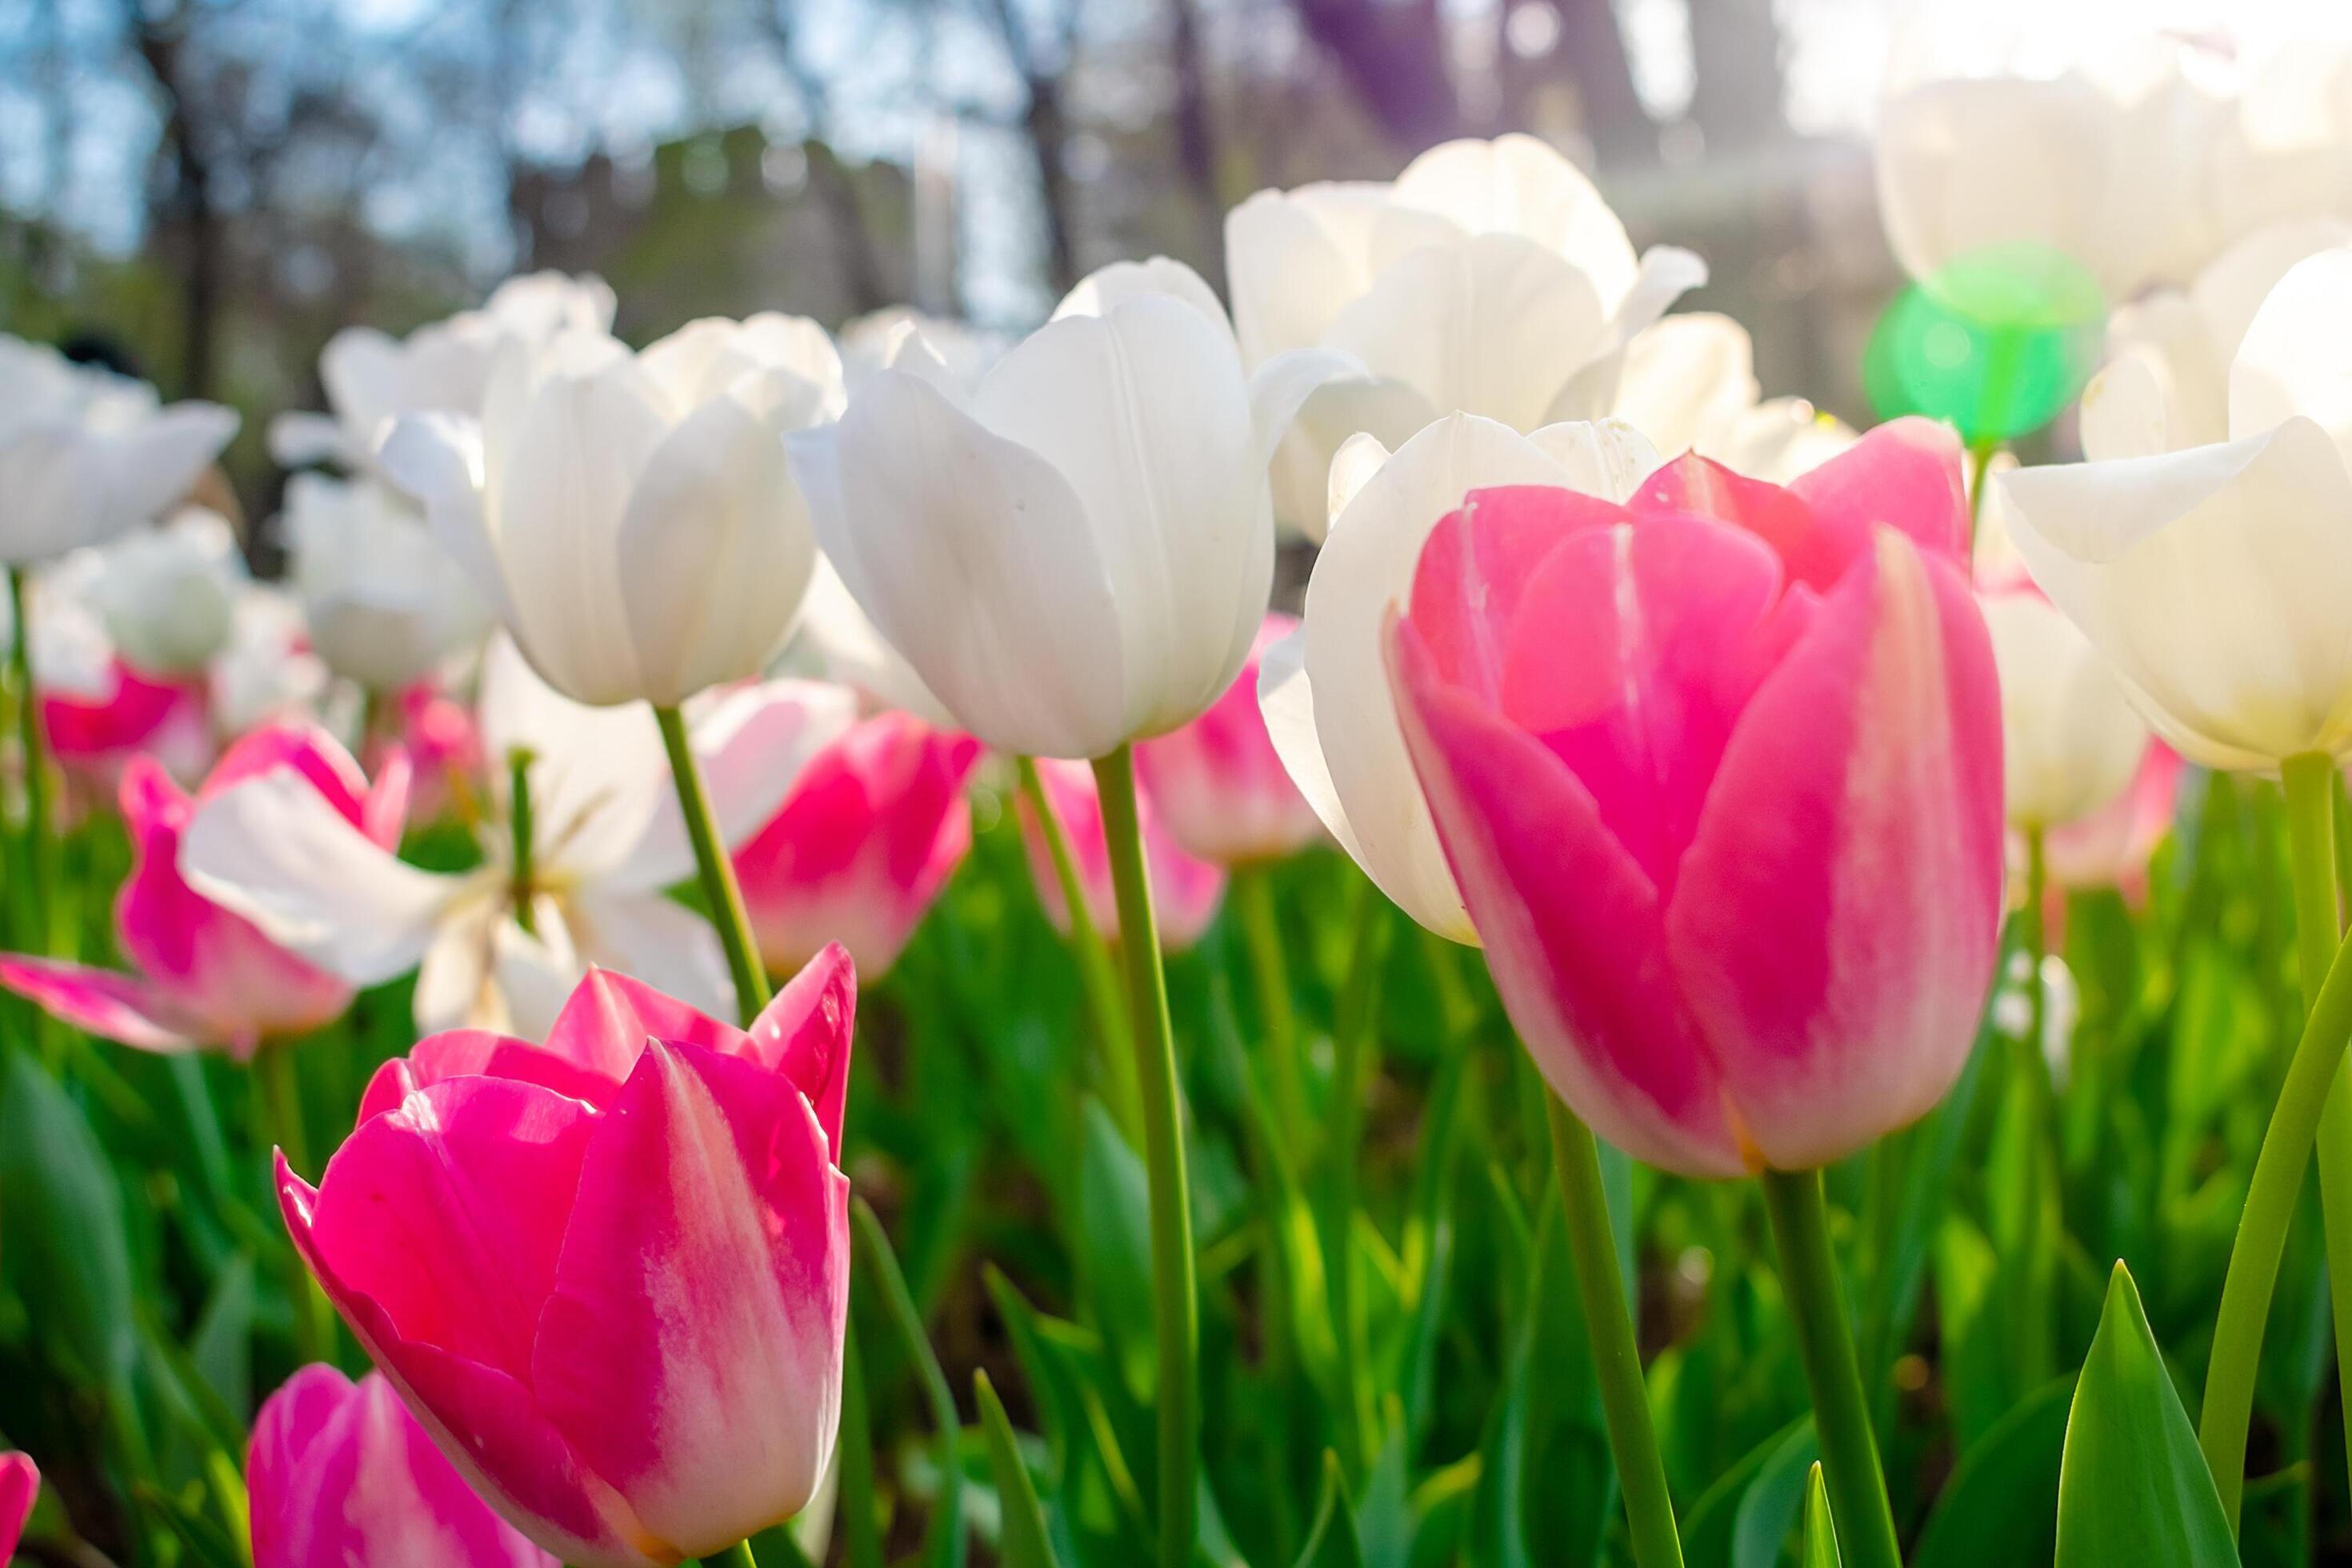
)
(1097, 291)
(1687, 380)
(1294, 257)
(2071, 742)
(2294, 359)
(272, 850)
(597, 775)
(648, 937)
(975, 560)
(851, 650)
(1518, 186)
(1285, 700)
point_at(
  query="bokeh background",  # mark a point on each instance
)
(209, 188)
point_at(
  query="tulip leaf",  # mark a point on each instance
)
(1821, 1549)
(1769, 1509)
(1114, 1246)
(1022, 1542)
(2000, 1504)
(209, 1545)
(945, 1539)
(68, 1253)
(2133, 1489)
(1331, 1542)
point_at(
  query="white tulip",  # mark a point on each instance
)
(85, 455)
(1324, 690)
(1490, 277)
(166, 594)
(2071, 740)
(386, 604)
(2187, 339)
(266, 670)
(606, 839)
(2214, 578)
(1078, 553)
(374, 380)
(631, 518)
(2285, 154)
(871, 341)
(1689, 384)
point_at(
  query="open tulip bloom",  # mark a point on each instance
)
(1717, 771)
(608, 1272)
(207, 976)
(606, 839)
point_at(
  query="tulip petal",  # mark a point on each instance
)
(1905, 474)
(704, 1289)
(155, 464)
(20, 1488)
(610, 1016)
(805, 1033)
(1834, 925)
(663, 942)
(2291, 361)
(483, 1053)
(117, 1007)
(1011, 622)
(1571, 926)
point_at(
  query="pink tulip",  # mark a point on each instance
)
(340, 1473)
(873, 829)
(443, 744)
(205, 976)
(1719, 773)
(2110, 847)
(1185, 892)
(610, 1275)
(94, 738)
(20, 1486)
(1221, 789)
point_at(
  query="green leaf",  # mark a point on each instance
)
(1768, 1510)
(1332, 1543)
(1022, 1543)
(944, 1538)
(2133, 1489)
(68, 1253)
(1820, 1535)
(1115, 1246)
(2001, 1502)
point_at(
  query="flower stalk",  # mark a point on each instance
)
(719, 889)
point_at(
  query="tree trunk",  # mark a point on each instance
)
(1394, 56)
(1593, 45)
(1196, 144)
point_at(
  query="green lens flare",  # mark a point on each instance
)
(1997, 343)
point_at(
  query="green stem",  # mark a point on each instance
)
(518, 816)
(1095, 971)
(2036, 1252)
(274, 1072)
(946, 1535)
(1351, 1043)
(861, 1525)
(1616, 1356)
(736, 1556)
(1980, 456)
(1175, 1305)
(1254, 908)
(1841, 1415)
(719, 889)
(40, 852)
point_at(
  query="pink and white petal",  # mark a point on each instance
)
(610, 1015)
(484, 1053)
(408, 1507)
(298, 1474)
(1834, 925)
(805, 1034)
(1905, 474)
(20, 1487)
(306, 749)
(1572, 928)
(691, 1351)
(117, 1007)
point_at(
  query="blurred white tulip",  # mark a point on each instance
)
(2071, 740)
(607, 840)
(1689, 385)
(2285, 153)
(373, 379)
(1324, 688)
(266, 670)
(87, 456)
(2214, 578)
(630, 517)
(166, 594)
(1490, 277)
(871, 341)
(1076, 553)
(386, 604)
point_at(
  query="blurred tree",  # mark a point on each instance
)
(1393, 54)
(1741, 89)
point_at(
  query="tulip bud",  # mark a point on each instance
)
(630, 517)
(166, 595)
(609, 1274)
(1718, 775)
(87, 456)
(386, 604)
(20, 1488)
(340, 1473)
(1219, 786)
(873, 827)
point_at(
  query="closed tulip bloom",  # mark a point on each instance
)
(339, 1473)
(167, 596)
(87, 456)
(203, 976)
(630, 517)
(1186, 891)
(609, 1273)
(2071, 740)
(1076, 553)
(1219, 786)
(873, 827)
(374, 380)
(1489, 277)
(2213, 578)
(1719, 773)
(20, 1488)
(1689, 384)
(386, 604)
(1328, 708)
